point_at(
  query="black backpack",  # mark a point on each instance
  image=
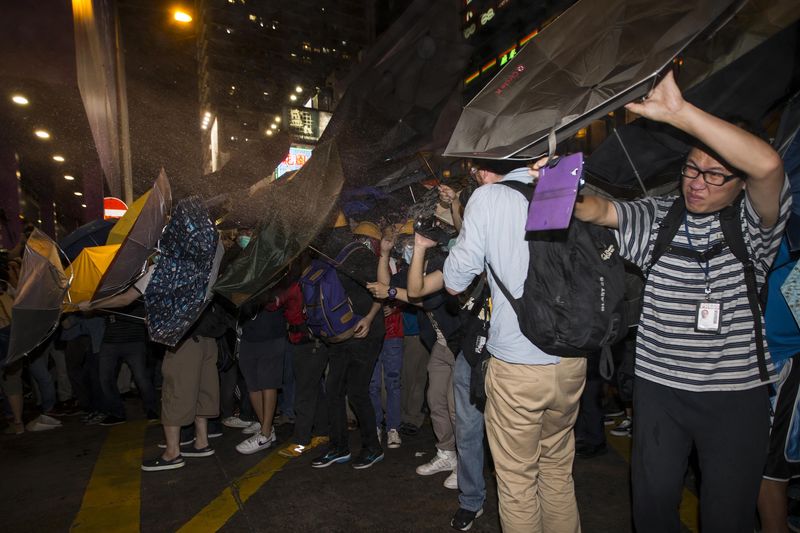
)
(573, 301)
(729, 219)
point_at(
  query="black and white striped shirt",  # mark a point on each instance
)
(668, 349)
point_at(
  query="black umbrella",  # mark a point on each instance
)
(94, 233)
(392, 106)
(595, 57)
(40, 291)
(291, 212)
(131, 259)
(653, 150)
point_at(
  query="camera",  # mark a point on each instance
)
(434, 229)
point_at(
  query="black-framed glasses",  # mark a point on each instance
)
(711, 177)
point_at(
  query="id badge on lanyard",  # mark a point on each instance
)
(708, 312)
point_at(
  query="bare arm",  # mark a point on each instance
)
(112, 302)
(420, 285)
(596, 210)
(740, 149)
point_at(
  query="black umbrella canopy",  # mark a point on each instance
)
(291, 211)
(41, 289)
(131, 259)
(595, 57)
(392, 104)
(732, 89)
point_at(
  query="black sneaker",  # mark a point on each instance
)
(463, 519)
(191, 451)
(367, 458)
(182, 442)
(111, 420)
(623, 429)
(408, 429)
(330, 457)
(214, 429)
(152, 416)
(154, 465)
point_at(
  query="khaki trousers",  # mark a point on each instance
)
(441, 401)
(530, 413)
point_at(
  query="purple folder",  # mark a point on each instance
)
(554, 197)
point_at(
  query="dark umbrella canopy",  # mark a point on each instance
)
(186, 268)
(394, 100)
(595, 57)
(94, 233)
(131, 259)
(41, 289)
(734, 89)
(292, 212)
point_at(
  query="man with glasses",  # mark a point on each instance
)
(698, 380)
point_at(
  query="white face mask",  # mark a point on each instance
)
(408, 253)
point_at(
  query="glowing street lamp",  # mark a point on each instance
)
(77, 193)
(298, 89)
(293, 98)
(19, 99)
(69, 177)
(182, 16)
(58, 158)
(42, 134)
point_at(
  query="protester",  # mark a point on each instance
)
(531, 397)
(700, 382)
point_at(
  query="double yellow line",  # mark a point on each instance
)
(112, 500)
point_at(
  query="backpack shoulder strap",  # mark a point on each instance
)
(525, 189)
(511, 300)
(667, 231)
(731, 224)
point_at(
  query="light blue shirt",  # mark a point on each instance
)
(494, 231)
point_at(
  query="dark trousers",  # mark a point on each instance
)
(112, 354)
(351, 366)
(84, 373)
(228, 381)
(730, 431)
(310, 408)
(590, 427)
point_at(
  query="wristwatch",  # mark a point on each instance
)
(391, 294)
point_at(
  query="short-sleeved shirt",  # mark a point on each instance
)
(668, 350)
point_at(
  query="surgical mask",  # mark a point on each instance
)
(408, 253)
(243, 240)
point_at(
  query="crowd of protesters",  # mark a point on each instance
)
(432, 334)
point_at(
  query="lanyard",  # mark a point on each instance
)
(705, 268)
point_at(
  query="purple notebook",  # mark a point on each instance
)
(554, 196)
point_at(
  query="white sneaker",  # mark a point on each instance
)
(442, 462)
(37, 424)
(452, 481)
(49, 420)
(252, 429)
(235, 422)
(393, 439)
(378, 429)
(256, 443)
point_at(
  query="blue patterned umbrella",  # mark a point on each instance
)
(186, 268)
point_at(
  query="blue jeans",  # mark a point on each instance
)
(391, 361)
(37, 366)
(469, 440)
(111, 356)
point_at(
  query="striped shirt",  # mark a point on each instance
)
(668, 349)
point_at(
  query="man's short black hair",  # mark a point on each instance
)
(501, 167)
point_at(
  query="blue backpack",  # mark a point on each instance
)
(329, 311)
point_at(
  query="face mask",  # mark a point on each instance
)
(408, 253)
(243, 240)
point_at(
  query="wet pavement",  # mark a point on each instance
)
(87, 478)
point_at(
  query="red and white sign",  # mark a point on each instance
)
(113, 207)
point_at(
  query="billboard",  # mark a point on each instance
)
(298, 155)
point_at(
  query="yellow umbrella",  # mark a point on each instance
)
(86, 271)
(124, 224)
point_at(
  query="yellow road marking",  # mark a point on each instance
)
(214, 515)
(689, 502)
(112, 499)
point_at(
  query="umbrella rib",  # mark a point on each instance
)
(628, 157)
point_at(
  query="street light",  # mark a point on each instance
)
(58, 158)
(182, 16)
(77, 193)
(19, 99)
(42, 134)
(293, 98)
(298, 89)
(68, 177)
